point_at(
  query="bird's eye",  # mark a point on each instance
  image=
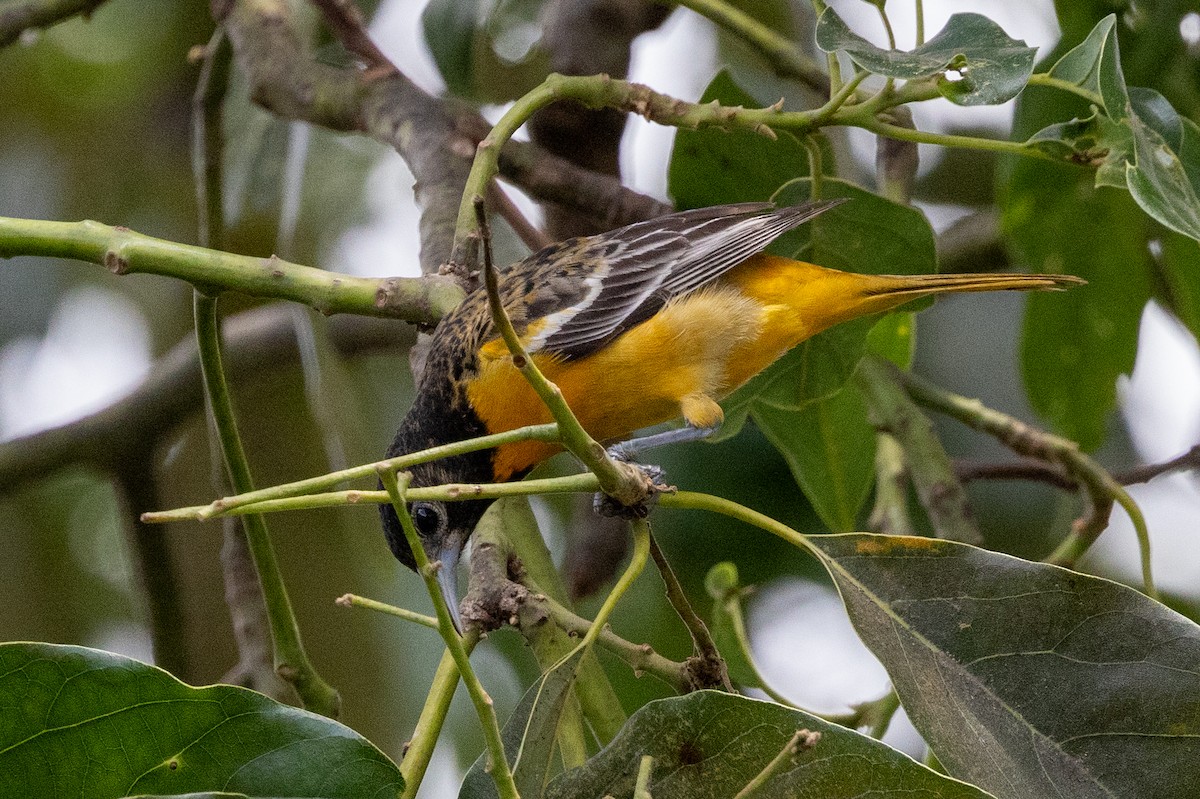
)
(426, 518)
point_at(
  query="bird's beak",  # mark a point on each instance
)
(447, 578)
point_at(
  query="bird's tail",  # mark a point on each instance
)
(906, 287)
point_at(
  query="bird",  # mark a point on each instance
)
(637, 326)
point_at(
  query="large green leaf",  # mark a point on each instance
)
(528, 736)
(992, 66)
(711, 167)
(1026, 679)
(708, 745)
(85, 723)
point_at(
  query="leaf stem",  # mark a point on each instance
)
(499, 770)
(641, 786)
(1045, 79)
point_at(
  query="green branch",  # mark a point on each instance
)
(291, 661)
(498, 763)
(122, 251)
(1101, 487)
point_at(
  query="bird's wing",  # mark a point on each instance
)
(628, 274)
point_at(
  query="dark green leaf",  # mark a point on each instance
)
(1027, 679)
(992, 66)
(708, 745)
(80, 722)
(711, 167)
(528, 736)
(728, 623)
(830, 448)
(450, 27)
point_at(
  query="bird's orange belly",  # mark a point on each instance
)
(703, 345)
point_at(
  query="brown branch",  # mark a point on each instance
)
(436, 138)
(588, 37)
(500, 203)
(19, 16)
(153, 565)
(346, 22)
(705, 668)
(1054, 475)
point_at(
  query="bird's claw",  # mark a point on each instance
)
(654, 484)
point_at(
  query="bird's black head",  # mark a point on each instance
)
(443, 527)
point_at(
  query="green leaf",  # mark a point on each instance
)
(528, 736)
(1028, 679)
(81, 722)
(1165, 175)
(711, 167)
(1095, 65)
(1075, 344)
(830, 448)
(728, 623)
(992, 66)
(708, 745)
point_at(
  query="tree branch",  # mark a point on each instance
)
(21, 15)
(256, 342)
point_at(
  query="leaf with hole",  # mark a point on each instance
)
(991, 67)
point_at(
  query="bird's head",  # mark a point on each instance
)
(443, 527)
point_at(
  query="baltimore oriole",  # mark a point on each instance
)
(636, 326)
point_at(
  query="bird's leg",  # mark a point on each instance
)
(628, 450)
(703, 417)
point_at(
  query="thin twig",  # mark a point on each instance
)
(801, 741)
(18, 17)
(706, 668)
(641, 786)
(356, 601)
(1101, 488)
(533, 238)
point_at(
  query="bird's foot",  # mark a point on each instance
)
(653, 484)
